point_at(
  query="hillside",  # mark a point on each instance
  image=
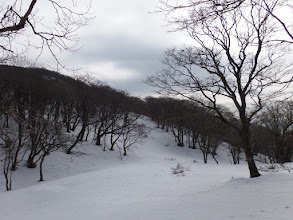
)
(99, 185)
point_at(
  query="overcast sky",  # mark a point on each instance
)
(124, 44)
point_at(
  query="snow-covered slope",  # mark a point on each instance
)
(98, 185)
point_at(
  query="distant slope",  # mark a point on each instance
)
(20, 73)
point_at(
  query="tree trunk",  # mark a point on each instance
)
(30, 162)
(87, 134)
(215, 158)
(205, 156)
(15, 159)
(238, 155)
(98, 140)
(67, 126)
(112, 142)
(78, 139)
(41, 168)
(248, 152)
(6, 170)
(251, 165)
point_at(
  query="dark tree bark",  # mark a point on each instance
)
(245, 137)
(77, 140)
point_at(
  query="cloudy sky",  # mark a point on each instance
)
(121, 46)
(124, 44)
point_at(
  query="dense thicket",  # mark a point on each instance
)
(39, 108)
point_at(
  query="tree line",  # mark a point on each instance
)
(200, 128)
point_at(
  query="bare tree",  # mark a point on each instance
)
(41, 25)
(12, 122)
(198, 10)
(6, 157)
(13, 136)
(132, 131)
(233, 58)
(85, 99)
(53, 140)
(278, 119)
(207, 133)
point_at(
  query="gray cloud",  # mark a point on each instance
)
(122, 50)
(125, 42)
(135, 87)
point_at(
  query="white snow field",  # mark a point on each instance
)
(98, 185)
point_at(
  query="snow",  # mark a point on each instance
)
(99, 185)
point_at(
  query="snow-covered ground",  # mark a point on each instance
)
(99, 185)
